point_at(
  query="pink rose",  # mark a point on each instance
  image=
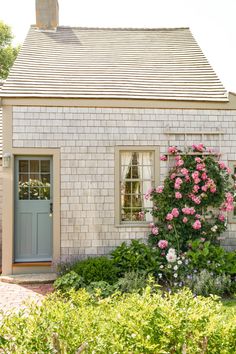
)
(155, 230)
(185, 220)
(159, 189)
(184, 171)
(213, 189)
(204, 176)
(147, 194)
(163, 158)
(221, 217)
(162, 244)
(199, 147)
(151, 224)
(222, 165)
(196, 188)
(175, 212)
(198, 159)
(228, 170)
(198, 216)
(177, 158)
(172, 176)
(169, 217)
(178, 195)
(197, 180)
(172, 150)
(179, 163)
(202, 239)
(200, 166)
(197, 225)
(195, 175)
(204, 188)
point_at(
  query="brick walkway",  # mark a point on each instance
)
(12, 296)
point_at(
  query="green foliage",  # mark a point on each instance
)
(206, 283)
(96, 269)
(69, 281)
(132, 282)
(8, 53)
(136, 257)
(100, 289)
(205, 255)
(129, 323)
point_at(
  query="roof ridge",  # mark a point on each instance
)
(123, 28)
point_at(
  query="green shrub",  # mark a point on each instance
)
(123, 324)
(206, 283)
(100, 289)
(132, 282)
(96, 269)
(69, 281)
(136, 257)
(205, 255)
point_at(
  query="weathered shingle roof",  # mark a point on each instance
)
(113, 63)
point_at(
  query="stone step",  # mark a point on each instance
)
(40, 278)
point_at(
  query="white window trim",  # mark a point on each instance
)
(118, 150)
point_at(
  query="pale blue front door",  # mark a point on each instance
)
(33, 209)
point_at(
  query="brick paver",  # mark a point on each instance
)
(13, 296)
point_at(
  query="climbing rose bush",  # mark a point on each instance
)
(193, 202)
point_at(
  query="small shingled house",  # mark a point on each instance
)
(81, 108)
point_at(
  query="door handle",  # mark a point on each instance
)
(51, 209)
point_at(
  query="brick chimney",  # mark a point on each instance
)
(47, 15)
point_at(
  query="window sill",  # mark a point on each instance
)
(145, 226)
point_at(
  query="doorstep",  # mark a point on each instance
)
(39, 278)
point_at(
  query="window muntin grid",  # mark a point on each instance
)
(136, 177)
(34, 180)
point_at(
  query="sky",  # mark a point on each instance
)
(212, 22)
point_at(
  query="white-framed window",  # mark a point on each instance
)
(232, 214)
(137, 171)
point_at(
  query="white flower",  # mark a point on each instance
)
(169, 266)
(159, 275)
(133, 335)
(175, 267)
(175, 275)
(171, 257)
(161, 266)
(214, 228)
(179, 262)
(171, 250)
(148, 337)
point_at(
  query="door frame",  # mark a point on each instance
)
(17, 202)
(9, 205)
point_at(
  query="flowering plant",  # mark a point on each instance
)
(193, 202)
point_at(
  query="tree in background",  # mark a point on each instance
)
(8, 53)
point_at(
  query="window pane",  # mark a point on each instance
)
(23, 166)
(126, 201)
(137, 176)
(45, 193)
(135, 214)
(34, 179)
(126, 214)
(34, 193)
(45, 166)
(137, 201)
(45, 178)
(34, 166)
